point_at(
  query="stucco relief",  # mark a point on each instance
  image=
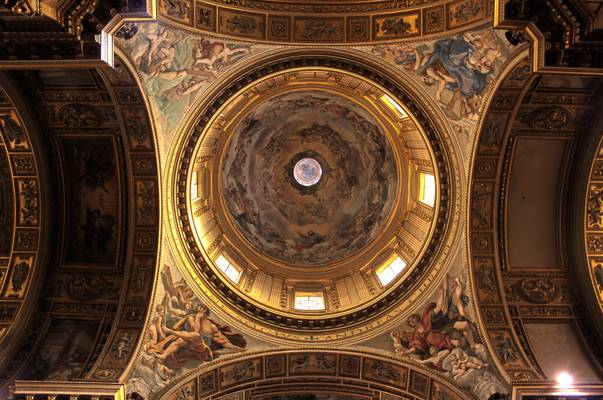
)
(321, 223)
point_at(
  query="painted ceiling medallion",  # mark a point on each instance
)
(301, 199)
(303, 227)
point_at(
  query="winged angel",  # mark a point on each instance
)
(176, 65)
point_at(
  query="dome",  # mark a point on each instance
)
(309, 197)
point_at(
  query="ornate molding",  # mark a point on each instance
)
(321, 23)
(73, 33)
(508, 298)
(23, 222)
(72, 390)
(102, 292)
(320, 370)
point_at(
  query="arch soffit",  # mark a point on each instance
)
(502, 307)
(26, 216)
(112, 117)
(301, 370)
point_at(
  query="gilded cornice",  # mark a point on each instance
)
(322, 369)
(563, 35)
(507, 299)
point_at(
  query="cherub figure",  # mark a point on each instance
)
(207, 54)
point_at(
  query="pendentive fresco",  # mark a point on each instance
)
(182, 335)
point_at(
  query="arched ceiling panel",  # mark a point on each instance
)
(102, 268)
(25, 219)
(519, 176)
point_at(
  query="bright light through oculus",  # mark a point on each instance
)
(307, 172)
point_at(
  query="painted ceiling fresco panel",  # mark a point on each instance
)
(240, 23)
(175, 66)
(205, 17)
(92, 187)
(353, 198)
(64, 351)
(180, 10)
(442, 336)
(324, 29)
(457, 72)
(180, 314)
(461, 13)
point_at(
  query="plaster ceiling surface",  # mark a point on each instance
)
(338, 215)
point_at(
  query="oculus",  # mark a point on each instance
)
(307, 172)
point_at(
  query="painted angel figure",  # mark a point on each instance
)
(195, 337)
(210, 55)
(462, 364)
(443, 325)
(156, 54)
(455, 65)
(178, 299)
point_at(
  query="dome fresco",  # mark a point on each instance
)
(304, 196)
(329, 219)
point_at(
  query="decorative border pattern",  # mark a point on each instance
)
(593, 225)
(507, 298)
(325, 23)
(115, 297)
(22, 220)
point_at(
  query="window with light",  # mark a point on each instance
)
(393, 104)
(232, 272)
(309, 301)
(427, 189)
(387, 272)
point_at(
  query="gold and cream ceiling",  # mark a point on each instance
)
(339, 261)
